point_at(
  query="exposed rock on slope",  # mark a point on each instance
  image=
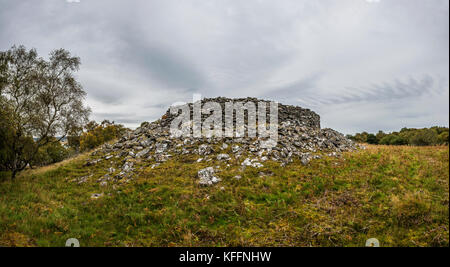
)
(299, 136)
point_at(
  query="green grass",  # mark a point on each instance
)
(399, 195)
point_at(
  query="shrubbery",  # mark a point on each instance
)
(98, 134)
(407, 136)
(52, 153)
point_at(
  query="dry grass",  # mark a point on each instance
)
(399, 195)
(40, 170)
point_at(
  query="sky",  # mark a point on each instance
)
(362, 65)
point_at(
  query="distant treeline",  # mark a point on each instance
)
(407, 136)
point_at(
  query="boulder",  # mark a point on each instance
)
(206, 176)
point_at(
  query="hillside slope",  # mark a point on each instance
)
(399, 195)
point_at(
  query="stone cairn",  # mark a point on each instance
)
(299, 136)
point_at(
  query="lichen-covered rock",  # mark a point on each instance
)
(206, 176)
(204, 150)
(161, 147)
(252, 163)
(127, 167)
(223, 157)
(143, 153)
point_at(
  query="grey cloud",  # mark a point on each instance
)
(162, 64)
(299, 88)
(105, 92)
(360, 65)
(383, 92)
(121, 118)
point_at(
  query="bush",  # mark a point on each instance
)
(372, 139)
(443, 138)
(424, 137)
(393, 140)
(406, 136)
(51, 153)
(398, 141)
(97, 135)
(387, 140)
(12, 145)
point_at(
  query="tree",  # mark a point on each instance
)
(407, 136)
(380, 136)
(97, 134)
(424, 137)
(5, 137)
(398, 140)
(387, 140)
(443, 138)
(372, 139)
(393, 140)
(43, 98)
(360, 137)
(50, 153)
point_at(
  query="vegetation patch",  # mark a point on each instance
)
(398, 195)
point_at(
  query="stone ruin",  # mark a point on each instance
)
(303, 117)
(299, 137)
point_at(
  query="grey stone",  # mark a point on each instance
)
(128, 166)
(306, 159)
(204, 150)
(223, 157)
(96, 195)
(161, 147)
(207, 176)
(252, 163)
(142, 153)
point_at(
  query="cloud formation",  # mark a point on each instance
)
(362, 65)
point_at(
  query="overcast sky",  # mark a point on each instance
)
(363, 65)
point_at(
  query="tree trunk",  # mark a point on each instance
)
(13, 174)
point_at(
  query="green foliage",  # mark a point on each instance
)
(5, 138)
(42, 99)
(407, 136)
(98, 134)
(11, 143)
(372, 139)
(443, 138)
(424, 137)
(393, 140)
(51, 153)
(360, 137)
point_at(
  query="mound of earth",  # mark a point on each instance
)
(299, 137)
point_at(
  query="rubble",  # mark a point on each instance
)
(299, 137)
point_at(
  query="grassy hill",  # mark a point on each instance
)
(399, 195)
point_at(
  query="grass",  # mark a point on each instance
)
(399, 195)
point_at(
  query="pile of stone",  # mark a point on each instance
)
(299, 136)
